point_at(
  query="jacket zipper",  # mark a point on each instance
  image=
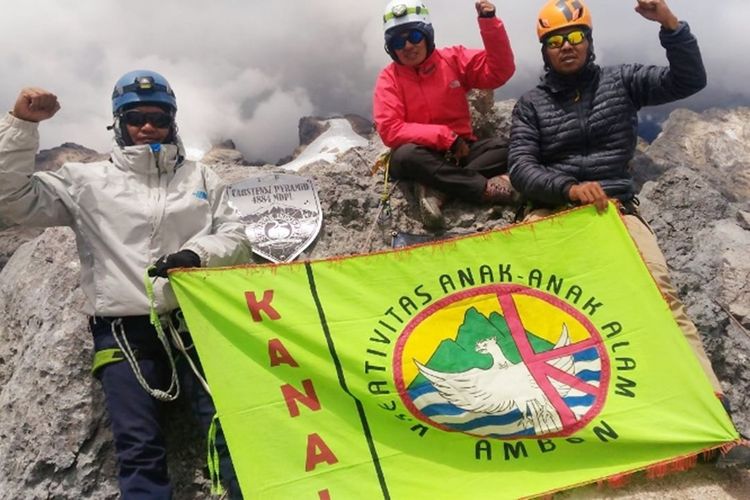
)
(159, 198)
(424, 97)
(582, 121)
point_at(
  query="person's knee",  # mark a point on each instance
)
(404, 154)
(416, 163)
(497, 143)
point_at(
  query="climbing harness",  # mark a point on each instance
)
(106, 357)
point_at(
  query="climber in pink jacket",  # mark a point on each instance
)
(421, 111)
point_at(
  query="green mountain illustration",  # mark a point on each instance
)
(454, 356)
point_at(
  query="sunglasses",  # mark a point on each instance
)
(556, 41)
(139, 119)
(413, 37)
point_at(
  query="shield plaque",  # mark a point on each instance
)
(281, 213)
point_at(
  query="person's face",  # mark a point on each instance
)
(412, 48)
(147, 124)
(567, 50)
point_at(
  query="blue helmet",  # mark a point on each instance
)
(142, 87)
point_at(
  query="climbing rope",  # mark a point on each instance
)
(118, 332)
(384, 211)
(180, 345)
(173, 392)
(174, 332)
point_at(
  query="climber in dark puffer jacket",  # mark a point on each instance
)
(580, 124)
(573, 136)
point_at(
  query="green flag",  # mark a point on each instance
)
(506, 364)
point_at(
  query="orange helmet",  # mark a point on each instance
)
(557, 14)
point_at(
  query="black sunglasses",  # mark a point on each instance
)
(157, 119)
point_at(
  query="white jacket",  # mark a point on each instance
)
(125, 212)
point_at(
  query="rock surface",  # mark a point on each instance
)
(52, 159)
(697, 208)
(715, 144)
(55, 440)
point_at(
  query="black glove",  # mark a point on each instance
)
(183, 258)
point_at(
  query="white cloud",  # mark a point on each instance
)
(248, 70)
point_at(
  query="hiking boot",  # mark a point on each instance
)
(737, 457)
(499, 191)
(430, 207)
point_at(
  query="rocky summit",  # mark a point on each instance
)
(55, 440)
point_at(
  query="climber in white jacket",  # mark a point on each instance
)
(147, 205)
(127, 212)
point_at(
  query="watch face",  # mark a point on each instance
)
(399, 10)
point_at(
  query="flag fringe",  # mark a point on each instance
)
(662, 469)
(653, 471)
(729, 446)
(615, 482)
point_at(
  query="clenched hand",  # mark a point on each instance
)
(35, 104)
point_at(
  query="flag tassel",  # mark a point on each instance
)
(615, 482)
(662, 469)
(654, 471)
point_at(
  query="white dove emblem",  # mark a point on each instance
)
(504, 387)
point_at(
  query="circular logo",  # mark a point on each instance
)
(502, 361)
(278, 230)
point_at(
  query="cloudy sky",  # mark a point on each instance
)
(249, 69)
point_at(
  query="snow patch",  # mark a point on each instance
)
(339, 137)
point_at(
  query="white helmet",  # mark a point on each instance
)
(399, 12)
(405, 15)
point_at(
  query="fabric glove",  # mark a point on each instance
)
(183, 258)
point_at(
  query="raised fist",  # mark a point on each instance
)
(35, 104)
(657, 10)
(485, 8)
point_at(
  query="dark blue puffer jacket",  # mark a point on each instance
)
(582, 128)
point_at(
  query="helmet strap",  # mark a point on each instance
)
(122, 136)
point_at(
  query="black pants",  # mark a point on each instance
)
(136, 416)
(487, 158)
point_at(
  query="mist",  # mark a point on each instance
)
(248, 70)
